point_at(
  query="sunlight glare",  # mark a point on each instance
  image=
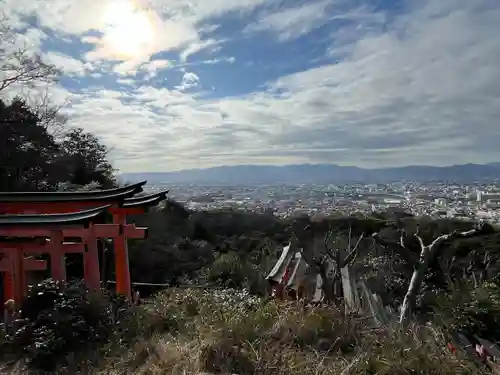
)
(129, 31)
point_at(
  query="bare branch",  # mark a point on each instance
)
(402, 233)
(487, 259)
(327, 239)
(438, 241)
(18, 65)
(359, 241)
(350, 236)
(352, 255)
(478, 229)
(399, 247)
(417, 236)
(49, 113)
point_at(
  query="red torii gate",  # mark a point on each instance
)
(131, 206)
(26, 215)
(28, 229)
(7, 268)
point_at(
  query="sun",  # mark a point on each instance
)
(129, 31)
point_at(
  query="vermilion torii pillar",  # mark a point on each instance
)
(58, 207)
(91, 267)
(7, 268)
(57, 256)
(14, 267)
(122, 268)
(131, 206)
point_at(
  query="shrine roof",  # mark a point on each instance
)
(145, 200)
(79, 217)
(120, 193)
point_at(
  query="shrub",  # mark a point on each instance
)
(63, 319)
(227, 270)
(473, 310)
(419, 350)
(231, 270)
(229, 331)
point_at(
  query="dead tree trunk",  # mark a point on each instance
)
(420, 264)
(321, 259)
(342, 258)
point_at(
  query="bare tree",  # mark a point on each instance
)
(420, 262)
(328, 258)
(49, 113)
(18, 64)
(478, 267)
(341, 255)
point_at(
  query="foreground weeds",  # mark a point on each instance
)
(230, 332)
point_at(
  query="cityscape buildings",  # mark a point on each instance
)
(437, 200)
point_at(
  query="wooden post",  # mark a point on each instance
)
(121, 259)
(57, 256)
(8, 280)
(7, 269)
(24, 277)
(91, 269)
(19, 274)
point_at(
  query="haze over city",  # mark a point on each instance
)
(193, 84)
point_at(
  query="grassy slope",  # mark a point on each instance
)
(188, 332)
(229, 332)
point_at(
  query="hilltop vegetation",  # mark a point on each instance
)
(227, 332)
(253, 241)
(231, 332)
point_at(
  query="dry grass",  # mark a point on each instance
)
(197, 332)
(188, 332)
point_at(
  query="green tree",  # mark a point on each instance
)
(28, 153)
(85, 158)
(31, 159)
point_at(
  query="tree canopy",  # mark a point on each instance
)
(32, 159)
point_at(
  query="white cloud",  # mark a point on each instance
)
(197, 10)
(68, 64)
(189, 80)
(422, 88)
(415, 89)
(14, 40)
(130, 67)
(218, 60)
(158, 25)
(199, 46)
(409, 94)
(126, 81)
(291, 23)
(152, 67)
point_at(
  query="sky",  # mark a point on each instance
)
(175, 84)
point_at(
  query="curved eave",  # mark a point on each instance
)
(116, 194)
(80, 217)
(145, 201)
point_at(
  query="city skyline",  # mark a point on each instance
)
(473, 201)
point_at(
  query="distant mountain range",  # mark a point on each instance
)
(317, 174)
